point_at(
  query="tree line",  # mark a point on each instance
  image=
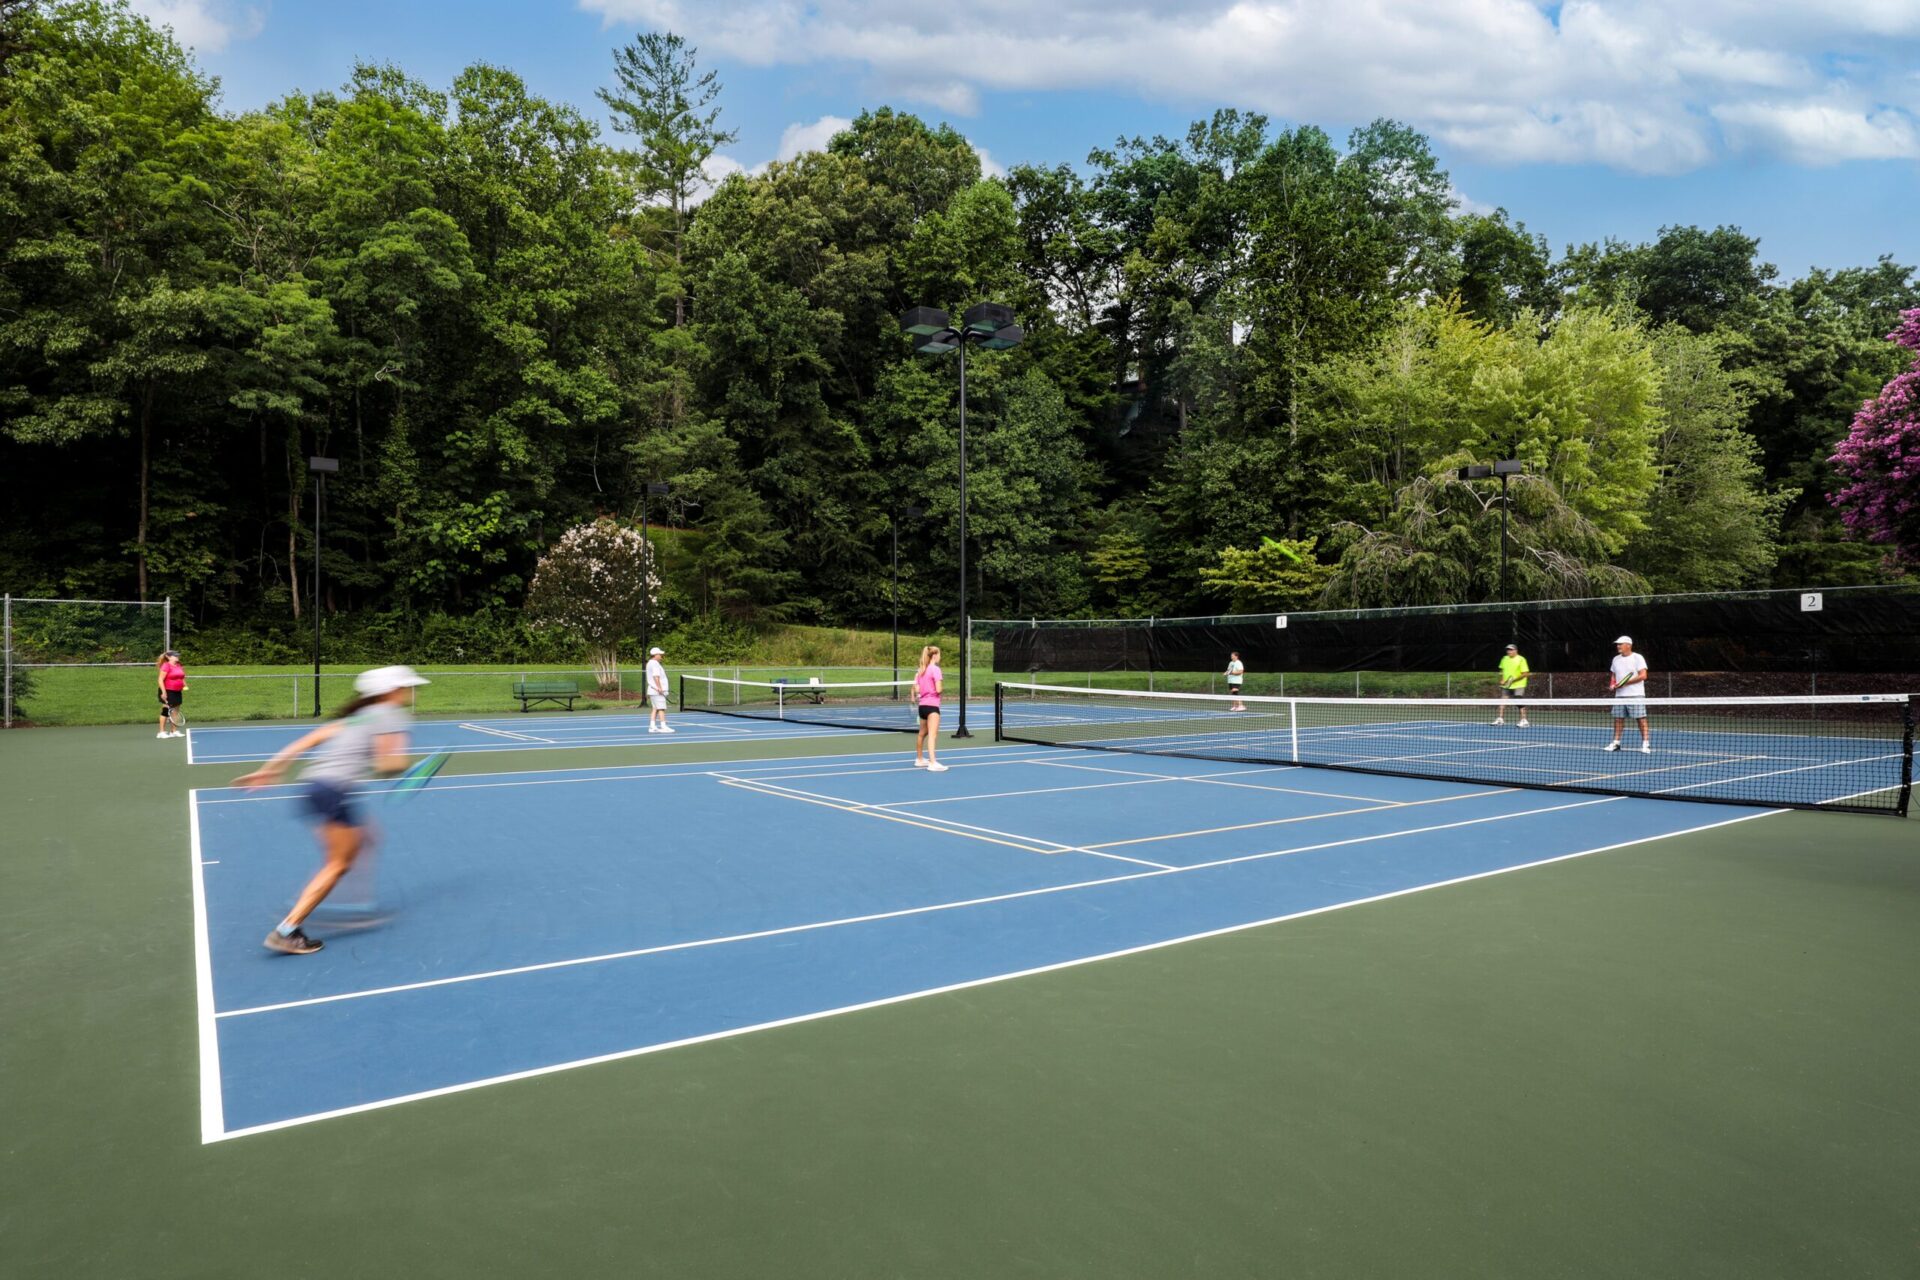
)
(1256, 358)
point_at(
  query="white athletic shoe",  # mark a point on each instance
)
(1611, 746)
(653, 728)
(1499, 721)
(934, 766)
(163, 734)
(1645, 750)
(919, 764)
(1523, 724)
(665, 729)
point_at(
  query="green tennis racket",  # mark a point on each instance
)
(418, 776)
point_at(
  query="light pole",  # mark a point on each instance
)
(655, 489)
(893, 523)
(1504, 468)
(991, 325)
(319, 467)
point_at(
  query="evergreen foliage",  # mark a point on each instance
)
(506, 324)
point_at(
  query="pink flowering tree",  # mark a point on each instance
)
(595, 583)
(1879, 461)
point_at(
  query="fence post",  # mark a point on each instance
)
(166, 623)
(294, 683)
(6, 643)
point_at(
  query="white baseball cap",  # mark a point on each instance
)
(1624, 640)
(1514, 647)
(371, 684)
(656, 650)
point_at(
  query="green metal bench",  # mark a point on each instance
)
(561, 692)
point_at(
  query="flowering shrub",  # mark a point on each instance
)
(596, 582)
(1881, 458)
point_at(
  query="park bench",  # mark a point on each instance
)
(562, 692)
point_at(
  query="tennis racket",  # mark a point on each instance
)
(418, 776)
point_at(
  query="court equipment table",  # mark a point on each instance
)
(1845, 752)
(851, 704)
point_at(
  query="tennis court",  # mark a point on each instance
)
(762, 997)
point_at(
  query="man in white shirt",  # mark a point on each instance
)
(1236, 677)
(1628, 680)
(657, 692)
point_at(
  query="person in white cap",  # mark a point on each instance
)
(657, 691)
(365, 739)
(1627, 679)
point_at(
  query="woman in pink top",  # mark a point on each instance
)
(926, 698)
(173, 691)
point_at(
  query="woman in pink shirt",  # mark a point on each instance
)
(173, 691)
(926, 698)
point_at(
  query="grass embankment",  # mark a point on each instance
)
(124, 695)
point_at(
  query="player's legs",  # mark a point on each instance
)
(341, 844)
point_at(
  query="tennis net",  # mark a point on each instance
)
(850, 704)
(1847, 752)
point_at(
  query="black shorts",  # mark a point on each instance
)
(170, 697)
(926, 711)
(1234, 689)
(331, 802)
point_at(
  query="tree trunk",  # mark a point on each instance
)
(146, 468)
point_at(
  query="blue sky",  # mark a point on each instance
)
(1799, 122)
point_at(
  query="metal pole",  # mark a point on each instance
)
(166, 623)
(6, 644)
(646, 584)
(893, 523)
(961, 731)
(319, 492)
(1503, 537)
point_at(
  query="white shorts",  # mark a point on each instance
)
(1631, 709)
(659, 701)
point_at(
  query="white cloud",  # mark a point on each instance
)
(1817, 133)
(205, 26)
(1644, 85)
(798, 139)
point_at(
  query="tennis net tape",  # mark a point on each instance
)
(1846, 752)
(852, 704)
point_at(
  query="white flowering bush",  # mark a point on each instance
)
(595, 583)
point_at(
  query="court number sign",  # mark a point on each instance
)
(1280, 622)
(1810, 602)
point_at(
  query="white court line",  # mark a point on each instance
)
(1377, 807)
(1011, 839)
(817, 1015)
(607, 773)
(466, 749)
(504, 733)
(213, 1122)
(1221, 779)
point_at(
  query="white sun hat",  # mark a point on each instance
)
(656, 650)
(371, 684)
(1624, 640)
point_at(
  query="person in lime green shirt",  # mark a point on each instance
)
(1513, 685)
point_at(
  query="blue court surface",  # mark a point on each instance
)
(541, 921)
